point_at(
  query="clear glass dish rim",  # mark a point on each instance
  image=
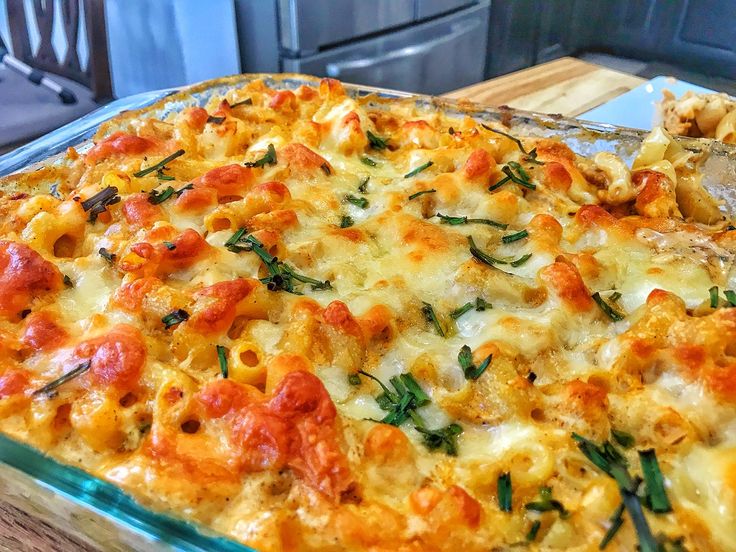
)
(105, 498)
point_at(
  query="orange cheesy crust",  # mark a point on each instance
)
(312, 321)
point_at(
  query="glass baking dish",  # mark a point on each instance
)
(99, 513)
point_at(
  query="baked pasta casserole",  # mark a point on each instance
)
(316, 322)
(699, 115)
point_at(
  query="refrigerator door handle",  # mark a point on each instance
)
(336, 69)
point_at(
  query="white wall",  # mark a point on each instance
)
(159, 43)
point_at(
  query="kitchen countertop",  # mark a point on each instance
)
(566, 85)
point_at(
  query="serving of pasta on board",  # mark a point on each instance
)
(313, 322)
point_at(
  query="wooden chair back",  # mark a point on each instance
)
(96, 75)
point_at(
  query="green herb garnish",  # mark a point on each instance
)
(609, 311)
(623, 438)
(269, 158)
(357, 201)
(402, 404)
(281, 276)
(609, 460)
(533, 530)
(615, 296)
(160, 165)
(617, 520)
(531, 156)
(455, 221)
(216, 120)
(368, 161)
(471, 371)
(421, 193)
(346, 221)
(222, 359)
(521, 260)
(510, 238)
(546, 503)
(504, 491)
(155, 197)
(105, 254)
(481, 304)
(354, 379)
(376, 141)
(419, 169)
(326, 169)
(730, 297)
(713, 292)
(482, 256)
(444, 438)
(175, 317)
(431, 317)
(246, 101)
(458, 312)
(70, 375)
(363, 188)
(68, 281)
(99, 202)
(169, 245)
(656, 495)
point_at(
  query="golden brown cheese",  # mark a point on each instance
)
(229, 315)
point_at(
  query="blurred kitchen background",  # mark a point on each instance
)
(431, 46)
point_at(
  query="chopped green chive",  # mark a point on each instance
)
(609, 460)
(455, 221)
(546, 503)
(504, 492)
(246, 101)
(531, 155)
(368, 161)
(160, 165)
(354, 379)
(363, 188)
(105, 254)
(68, 281)
(470, 370)
(730, 297)
(269, 158)
(222, 359)
(326, 169)
(458, 312)
(521, 260)
(421, 193)
(510, 238)
(183, 189)
(521, 177)
(431, 317)
(70, 375)
(623, 438)
(419, 169)
(169, 245)
(656, 494)
(533, 530)
(615, 296)
(498, 184)
(608, 310)
(98, 203)
(481, 304)
(175, 317)
(483, 256)
(444, 438)
(156, 197)
(357, 201)
(346, 221)
(713, 292)
(617, 521)
(376, 141)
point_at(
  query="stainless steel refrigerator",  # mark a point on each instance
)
(428, 46)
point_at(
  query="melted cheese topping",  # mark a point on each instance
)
(267, 459)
